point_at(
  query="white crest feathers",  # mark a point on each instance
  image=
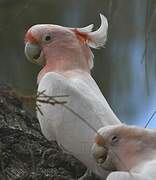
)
(86, 29)
(98, 38)
(94, 39)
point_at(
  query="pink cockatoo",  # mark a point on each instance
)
(67, 61)
(129, 151)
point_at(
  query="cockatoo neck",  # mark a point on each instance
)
(67, 60)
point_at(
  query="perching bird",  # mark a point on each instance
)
(128, 150)
(67, 61)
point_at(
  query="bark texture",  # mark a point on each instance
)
(24, 152)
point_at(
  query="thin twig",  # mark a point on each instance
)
(150, 119)
(40, 97)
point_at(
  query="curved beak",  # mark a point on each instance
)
(99, 153)
(102, 154)
(33, 53)
(103, 157)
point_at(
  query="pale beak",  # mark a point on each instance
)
(34, 53)
(99, 153)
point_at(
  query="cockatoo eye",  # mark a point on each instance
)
(47, 38)
(114, 139)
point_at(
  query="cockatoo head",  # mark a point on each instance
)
(62, 48)
(122, 147)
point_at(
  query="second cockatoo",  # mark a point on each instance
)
(129, 151)
(67, 60)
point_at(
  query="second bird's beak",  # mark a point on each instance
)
(34, 53)
(100, 153)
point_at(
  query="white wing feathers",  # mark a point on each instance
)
(59, 123)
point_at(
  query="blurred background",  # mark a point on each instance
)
(125, 69)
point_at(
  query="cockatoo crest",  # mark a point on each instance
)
(94, 39)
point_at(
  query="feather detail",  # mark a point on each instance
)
(98, 38)
(86, 29)
(95, 39)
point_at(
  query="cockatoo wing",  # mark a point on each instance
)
(59, 123)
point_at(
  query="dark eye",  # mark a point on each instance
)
(47, 38)
(114, 139)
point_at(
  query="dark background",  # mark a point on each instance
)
(125, 69)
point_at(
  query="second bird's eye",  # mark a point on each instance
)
(114, 139)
